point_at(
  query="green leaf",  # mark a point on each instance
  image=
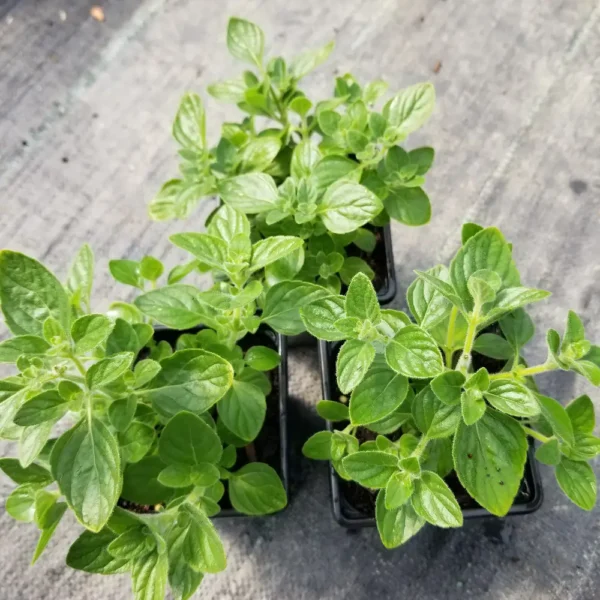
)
(426, 303)
(245, 41)
(20, 504)
(361, 299)
(189, 127)
(132, 544)
(141, 484)
(353, 361)
(283, 302)
(494, 346)
(145, 371)
(208, 249)
(549, 452)
(11, 349)
(486, 250)
(306, 155)
(149, 575)
(273, 248)
(483, 285)
(578, 481)
(517, 327)
(396, 526)
(230, 90)
(33, 475)
(179, 476)
(86, 465)
(378, 395)
(151, 268)
(443, 287)
(333, 168)
(108, 369)
(81, 276)
(250, 193)
(410, 206)
(398, 491)
(256, 489)
(586, 447)
(414, 353)
(468, 231)
(243, 410)
(347, 205)
(29, 294)
(512, 398)
(332, 411)
(432, 417)
(51, 521)
(410, 108)
(558, 419)
(423, 157)
(262, 358)
(188, 440)
(258, 154)
(33, 440)
(574, 331)
(448, 387)
(320, 317)
(489, 458)
(318, 446)
(191, 380)
(183, 580)
(177, 306)
(581, 414)
(329, 121)
(90, 331)
(309, 60)
(90, 553)
(121, 412)
(473, 406)
(227, 222)
(136, 441)
(47, 406)
(433, 500)
(126, 272)
(512, 298)
(370, 469)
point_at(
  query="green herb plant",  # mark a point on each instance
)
(451, 391)
(325, 171)
(144, 455)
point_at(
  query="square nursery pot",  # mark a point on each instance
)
(271, 445)
(381, 260)
(353, 506)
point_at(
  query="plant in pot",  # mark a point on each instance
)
(430, 418)
(331, 172)
(141, 462)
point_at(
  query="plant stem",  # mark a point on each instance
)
(78, 364)
(464, 362)
(525, 372)
(420, 447)
(449, 349)
(536, 434)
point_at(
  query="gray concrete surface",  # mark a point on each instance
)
(85, 112)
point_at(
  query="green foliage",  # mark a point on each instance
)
(142, 426)
(423, 388)
(321, 171)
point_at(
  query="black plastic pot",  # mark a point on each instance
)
(528, 500)
(271, 445)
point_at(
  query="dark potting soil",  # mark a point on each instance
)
(265, 448)
(359, 500)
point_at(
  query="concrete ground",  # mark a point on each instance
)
(85, 113)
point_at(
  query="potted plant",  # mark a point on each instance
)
(430, 418)
(331, 172)
(144, 465)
